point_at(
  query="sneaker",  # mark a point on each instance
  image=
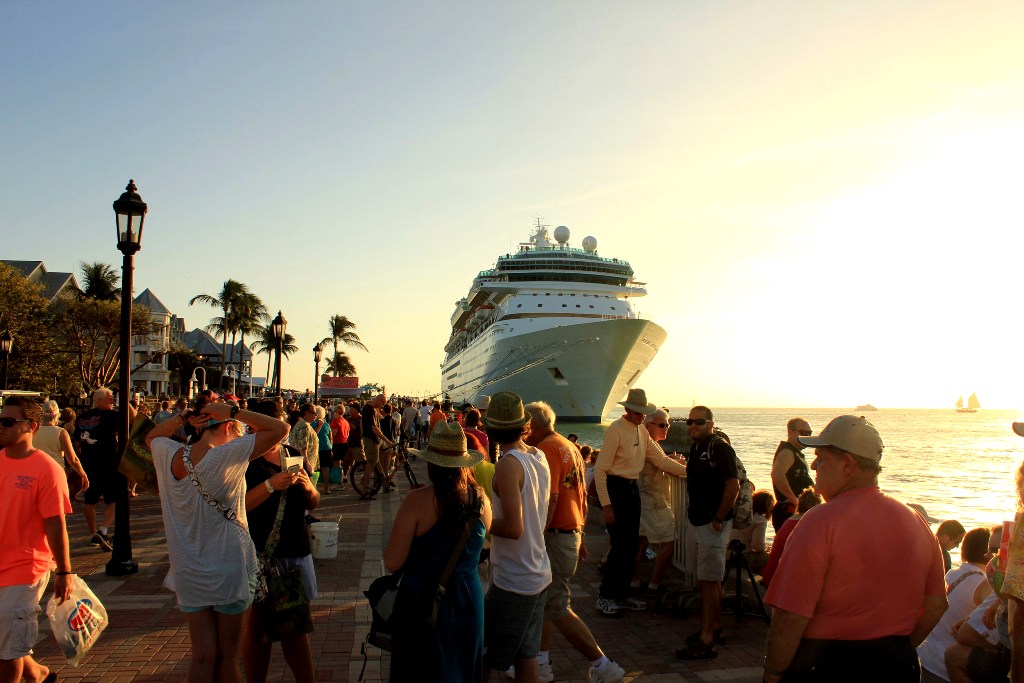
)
(102, 541)
(608, 607)
(699, 650)
(633, 604)
(611, 673)
(545, 674)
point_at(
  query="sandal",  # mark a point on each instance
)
(699, 650)
(718, 634)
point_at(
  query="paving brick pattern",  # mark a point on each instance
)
(147, 639)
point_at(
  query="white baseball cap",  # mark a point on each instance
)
(849, 433)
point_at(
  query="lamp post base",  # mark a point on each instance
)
(122, 567)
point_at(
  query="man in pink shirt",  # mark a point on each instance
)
(860, 585)
(33, 501)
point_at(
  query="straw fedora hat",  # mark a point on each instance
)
(505, 411)
(447, 447)
(636, 400)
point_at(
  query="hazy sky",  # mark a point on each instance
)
(823, 197)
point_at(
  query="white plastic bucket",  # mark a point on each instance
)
(323, 540)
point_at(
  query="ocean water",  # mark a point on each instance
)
(957, 465)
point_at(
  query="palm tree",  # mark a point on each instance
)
(101, 281)
(343, 330)
(341, 366)
(231, 292)
(249, 316)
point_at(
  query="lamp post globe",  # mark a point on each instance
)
(278, 326)
(6, 344)
(130, 214)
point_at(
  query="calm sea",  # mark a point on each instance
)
(957, 465)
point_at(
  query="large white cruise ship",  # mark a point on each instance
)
(552, 323)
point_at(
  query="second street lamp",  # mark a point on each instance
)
(277, 327)
(6, 343)
(130, 212)
(318, 352)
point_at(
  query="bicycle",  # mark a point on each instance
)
(379, 477)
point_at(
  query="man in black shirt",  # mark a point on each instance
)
(712, 485)
(96, 434)
(790, 474)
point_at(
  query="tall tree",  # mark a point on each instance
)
(249, 315)
(231, 292)
(341, 366)
(343, 331)
(36, 362)
(100, 281)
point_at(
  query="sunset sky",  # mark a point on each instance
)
(824, 198)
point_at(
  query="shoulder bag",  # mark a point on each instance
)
(383, 594)
(229, 515)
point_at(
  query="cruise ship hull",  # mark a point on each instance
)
(581, 370)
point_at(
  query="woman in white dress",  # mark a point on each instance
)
(212, 557)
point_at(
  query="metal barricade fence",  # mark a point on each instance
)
(679, 555)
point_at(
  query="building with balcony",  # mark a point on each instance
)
(150, 372)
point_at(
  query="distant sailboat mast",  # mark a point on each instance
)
(972, 404)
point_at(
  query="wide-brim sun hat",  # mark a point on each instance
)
(447, 447)
(850, 433)
(505, 411)
(919, 509)
(636, 400)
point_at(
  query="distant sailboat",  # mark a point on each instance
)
(972, 404)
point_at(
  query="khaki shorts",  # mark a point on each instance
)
(19, 618)
(564, 553)
(371, 450)
(659, 525)
(706, 550)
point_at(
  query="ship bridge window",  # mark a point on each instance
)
(591, 305)
(577, 305)
(613, 308)
(557, 377)
(519, 305)
(564, 305)
(540, 305)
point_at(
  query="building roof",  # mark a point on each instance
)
(203, 343)
(149, 300)
(53, 283)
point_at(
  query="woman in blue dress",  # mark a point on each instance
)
(426, 531)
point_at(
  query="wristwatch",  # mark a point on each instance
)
(270, 487)
(234, 411)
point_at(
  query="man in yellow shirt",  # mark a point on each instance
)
(627, 446)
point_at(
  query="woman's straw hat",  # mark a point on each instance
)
(506, 411)
(447, 447)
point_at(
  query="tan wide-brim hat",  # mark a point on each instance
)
(636, 400)
(447, 447)
(506, 411)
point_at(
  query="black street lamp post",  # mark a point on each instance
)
(130, 212)
(6, 342)
(278, 326)
(318, 352)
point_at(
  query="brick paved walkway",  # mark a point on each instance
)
(147, 639)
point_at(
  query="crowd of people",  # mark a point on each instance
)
(858, 586)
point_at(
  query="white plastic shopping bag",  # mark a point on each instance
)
(78, 622)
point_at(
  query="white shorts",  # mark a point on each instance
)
(658, 525)
(706, 550)
(19, 618)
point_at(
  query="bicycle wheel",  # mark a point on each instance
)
(355, 477)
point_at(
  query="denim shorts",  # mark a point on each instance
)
(236, 607)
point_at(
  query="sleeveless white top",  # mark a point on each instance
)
(521, 565)
(932, 651)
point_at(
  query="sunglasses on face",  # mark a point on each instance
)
(700, 422)
(8, 422)
(663, 425)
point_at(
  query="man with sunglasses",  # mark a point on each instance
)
(627, 446)
(790, 474)
(712, 486)
(860, 584)
(33, 538)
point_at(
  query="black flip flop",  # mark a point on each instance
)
(50, 678)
